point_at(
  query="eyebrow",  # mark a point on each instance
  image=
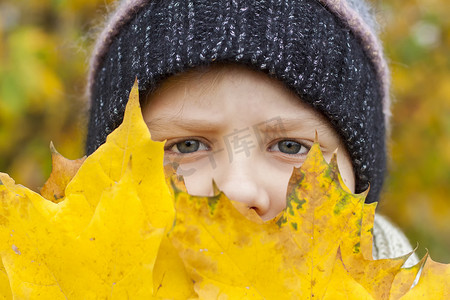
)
(206, 126)
(199, 125)
(290, 124)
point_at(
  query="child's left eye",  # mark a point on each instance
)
(290, 147)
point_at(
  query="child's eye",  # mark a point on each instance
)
(290, 147)
(187, 146)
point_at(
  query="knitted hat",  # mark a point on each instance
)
(326, 51)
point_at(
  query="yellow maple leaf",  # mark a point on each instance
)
(434, 282)
(63, 171)
(320, 247)
(118, 228)
(103, 238)
(290, 257)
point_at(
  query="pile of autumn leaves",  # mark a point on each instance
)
(116, 227)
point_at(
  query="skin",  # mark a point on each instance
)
(197, 115)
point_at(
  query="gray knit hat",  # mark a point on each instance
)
(326, 51)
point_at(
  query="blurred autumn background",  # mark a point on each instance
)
(44, 49)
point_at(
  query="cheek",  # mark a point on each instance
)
(346, 170)
(198, 177)
(276, 181)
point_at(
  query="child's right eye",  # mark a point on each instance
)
(187, 146)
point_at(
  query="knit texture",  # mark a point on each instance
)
(390, 242)
(338, 69)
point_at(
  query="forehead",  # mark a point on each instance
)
(218, 92)
(199, 83)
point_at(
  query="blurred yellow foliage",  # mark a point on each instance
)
(44, 48)
(43, 53)
(417, 42)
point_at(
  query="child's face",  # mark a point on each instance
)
(242, 129)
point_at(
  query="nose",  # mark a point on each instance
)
(240, 182)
